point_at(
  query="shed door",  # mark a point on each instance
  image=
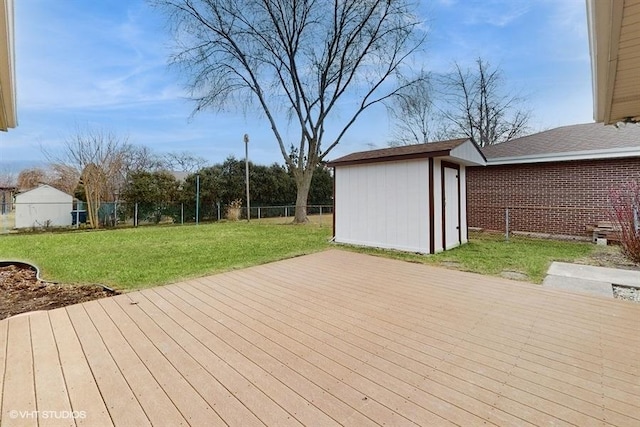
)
(451, 206)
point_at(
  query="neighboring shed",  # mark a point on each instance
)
(411, 198)
(43, 206)
(554, 182)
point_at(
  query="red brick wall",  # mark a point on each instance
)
(556, 198)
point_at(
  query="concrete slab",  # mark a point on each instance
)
(575, 284)
(598, 274)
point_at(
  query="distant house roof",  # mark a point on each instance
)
(575, 142)
(454, 148)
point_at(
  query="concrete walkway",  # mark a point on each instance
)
(589, 279)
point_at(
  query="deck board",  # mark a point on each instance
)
(121, 402)
(19, 391)
(84, 395)
(334, 338)
(50, 388)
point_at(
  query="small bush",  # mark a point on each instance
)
(234, 210)
(625, 210)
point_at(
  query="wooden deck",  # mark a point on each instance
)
(335, 338)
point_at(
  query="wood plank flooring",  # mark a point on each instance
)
(334, 338)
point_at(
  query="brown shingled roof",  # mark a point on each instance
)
(566, 139)
(405, 152)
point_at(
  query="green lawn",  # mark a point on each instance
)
(489, 253)
(147, 256)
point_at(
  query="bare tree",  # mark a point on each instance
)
(414, 113)
(97, 156)
(479, 107)
(63, 177)
(31, 177)
(184, 161)
(57, 175)
(320, 61)
(8, 177)
(140, 158)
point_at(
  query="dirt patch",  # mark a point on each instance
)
(608, 256)
(514, 275)
(612, 257)
(21, 292)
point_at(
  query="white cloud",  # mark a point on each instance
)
(80, 59)
(498, 13)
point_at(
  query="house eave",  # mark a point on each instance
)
(8, 114)
(610, 153)
(613, 29)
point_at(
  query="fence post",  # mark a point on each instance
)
(286, 211)
(197, 198)
(218, 203)
(135, 215)
(506, 223)
(258, 212)
(181, 213)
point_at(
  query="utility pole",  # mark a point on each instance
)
(246, 168)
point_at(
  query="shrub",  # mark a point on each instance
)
(234, 210)
(625, 209)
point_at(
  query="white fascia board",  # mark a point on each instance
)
(599, 29)
(611, 153)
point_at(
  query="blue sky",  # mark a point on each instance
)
(103, 64)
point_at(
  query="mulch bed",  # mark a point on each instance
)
(21, 292)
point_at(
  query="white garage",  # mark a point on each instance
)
(43, 206)
(410, 198)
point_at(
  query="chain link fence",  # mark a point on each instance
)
(556, 221)
(44, 216)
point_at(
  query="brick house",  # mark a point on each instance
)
(554, 182)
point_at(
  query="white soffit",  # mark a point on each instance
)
(614, 42)
(8, 117)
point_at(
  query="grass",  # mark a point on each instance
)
(490, 254)
(147, 256)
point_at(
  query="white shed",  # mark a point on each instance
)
(410, 198)
(43, 206)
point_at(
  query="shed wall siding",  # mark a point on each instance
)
(557, 198)
(383, 205)
(42, 206)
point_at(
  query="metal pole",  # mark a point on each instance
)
(197, 198)
(135, 215)
(246, 167)
(506, 221)
(218, 203)
(182, 213)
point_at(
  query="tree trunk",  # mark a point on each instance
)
(303, 184)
